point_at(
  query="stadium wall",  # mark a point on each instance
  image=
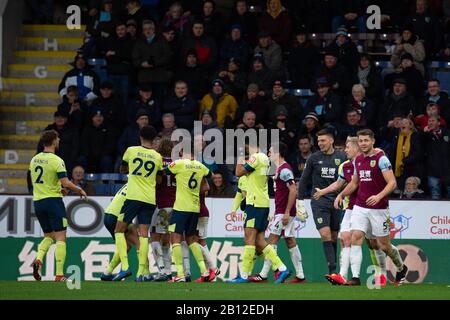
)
(421, 230)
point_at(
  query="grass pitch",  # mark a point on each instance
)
(93, 290)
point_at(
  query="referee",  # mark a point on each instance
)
(321, 170)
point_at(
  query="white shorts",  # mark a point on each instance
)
(202, 227)
(373, 222)
(346, 221)
(160, 220)
(277, 227)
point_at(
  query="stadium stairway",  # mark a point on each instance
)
(28, 96)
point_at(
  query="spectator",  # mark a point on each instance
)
(347, 53)
(176, 19)
(281, 97)
(204, 46)
(118, 57)
(338, 76)
(221, 105)
(169, 126)
(233, 77)
(434, 94)
(271, 53)
(86, 80)
(235, 47)
(370, 78)
(325, 104)
(261, 76)
(409, 43)
(130, 136)
(299, 157)
(249, 122)
(432, 110)
(69, 140)
(212, 20)
(208, 121)
(219, 187)
(353, 123)
(427, 27)
(182, 105)
(240, 15)
(74, 108)
(310, 127)
(253, 102)
(169, 34)
(350, 13)
(132, 31)
(276, 21)
(79, 181)
(285, 131)
(193, 74)
(97, 145)
(363, 105)
(412, 190)
(150, 104)
(136, 13)
(405, 152)
(398, 102)
(101, 27)
(303, 60)
(437, 151)
(413, 77)
(152, 55)
(111, 106)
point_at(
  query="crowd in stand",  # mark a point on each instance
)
(171, 63)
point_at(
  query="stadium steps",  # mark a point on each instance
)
(23, 70)
(15, 141)
(39, 57)
(19, 157)
(24, 113)
(39, 43)
(30, 84)
(18, 98)
(31, 127)
(51, 31)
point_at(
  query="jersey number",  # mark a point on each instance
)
(192, 182)
(149, 166)
(41, 172)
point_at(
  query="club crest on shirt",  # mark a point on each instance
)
(373, 163)
(252, 160)
(172, 164)
(337, 161)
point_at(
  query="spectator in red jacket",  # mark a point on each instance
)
(433, 109)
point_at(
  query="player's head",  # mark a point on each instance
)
(50, 139)
(147, 134)
(278, 151)
(165, 147)
(352, 147)
(366, 140)
(325, 140)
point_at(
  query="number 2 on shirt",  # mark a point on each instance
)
(149, 166)
(39, 177)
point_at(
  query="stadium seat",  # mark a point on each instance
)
(102, 189)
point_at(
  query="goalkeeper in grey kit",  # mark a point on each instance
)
(322, 169)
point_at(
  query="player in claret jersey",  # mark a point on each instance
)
(377, 255)
(375, 180)
(48, 174)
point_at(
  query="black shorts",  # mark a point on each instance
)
(110, 220)
(326, 216)
(51, 214)
(183, 222)
(256, 218)
(134, 208)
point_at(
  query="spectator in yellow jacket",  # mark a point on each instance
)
(220, 104)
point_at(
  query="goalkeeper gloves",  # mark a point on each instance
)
(302, 214)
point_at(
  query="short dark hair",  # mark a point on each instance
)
(303, 137)
(434, 80)
(148, 133)
(72, 89)
(198, 21)
(366, 132)
(283, 150)
(325, 132)
(48, 137)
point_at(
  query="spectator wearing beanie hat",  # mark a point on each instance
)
(130, 136)
(278, 97)
(193, 74)
(234, 46)
(220, 104)
(261, 76)
(413, 77)
(252, 101)
(309, 128)
(347, 53)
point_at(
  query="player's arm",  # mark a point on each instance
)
(391, 183)
(305, 179)
(348, 190)
(291, 201)
(66, 183)
(204, 187)
(334, 187)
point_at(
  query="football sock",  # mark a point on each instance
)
(167, 257)
(143, 255)
(43, 248)
(60, 256)
(355, 260)
(335, 251)
(330, 256)
(210, 262)
(197, 253)
(267, 264)
(115, 260)
(186, 259)
(381, 259)
(121, 247)
(158, 255)
(345, 262)
(247, 261)
(271, 254)
(296, 258)
(396, 259)
(177, 255)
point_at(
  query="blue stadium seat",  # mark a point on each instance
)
(114, 188)
(102, 189)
